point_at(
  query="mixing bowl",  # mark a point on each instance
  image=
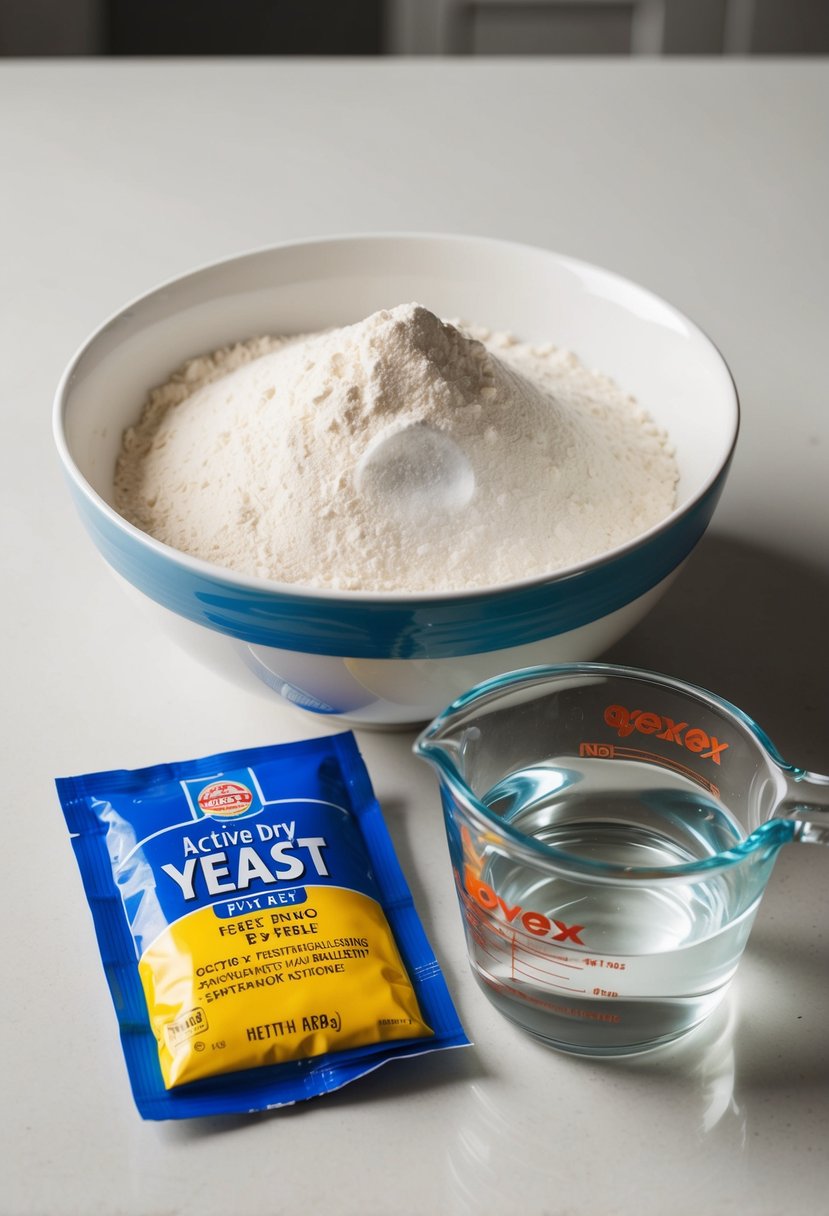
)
(394, 659)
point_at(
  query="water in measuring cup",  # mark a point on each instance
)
(638, 962)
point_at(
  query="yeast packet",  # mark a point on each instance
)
(258, 936)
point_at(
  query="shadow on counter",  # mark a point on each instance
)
(750, 625)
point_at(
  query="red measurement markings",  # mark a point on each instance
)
(611, 751)
(586, 1014)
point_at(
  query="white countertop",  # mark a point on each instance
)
(707, 182)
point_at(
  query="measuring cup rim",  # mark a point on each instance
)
(773, 833)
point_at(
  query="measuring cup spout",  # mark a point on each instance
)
(806, 803)
(441, 751)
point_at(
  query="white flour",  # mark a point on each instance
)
(398, 454)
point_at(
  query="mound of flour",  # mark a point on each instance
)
(402, 453)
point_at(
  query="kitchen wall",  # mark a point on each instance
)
(413, 27)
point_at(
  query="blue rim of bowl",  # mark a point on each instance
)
(397, 625)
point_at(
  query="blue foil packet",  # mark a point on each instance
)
(257, 933)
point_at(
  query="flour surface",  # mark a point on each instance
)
(403, 453)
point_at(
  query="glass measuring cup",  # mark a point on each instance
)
(611, 833)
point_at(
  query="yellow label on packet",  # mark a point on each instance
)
(276, 984)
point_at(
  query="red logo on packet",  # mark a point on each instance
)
(225, 799)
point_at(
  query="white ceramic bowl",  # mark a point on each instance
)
(393, 659)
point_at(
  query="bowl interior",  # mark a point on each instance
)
(643, 343)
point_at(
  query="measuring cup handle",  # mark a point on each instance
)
(807, 804)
